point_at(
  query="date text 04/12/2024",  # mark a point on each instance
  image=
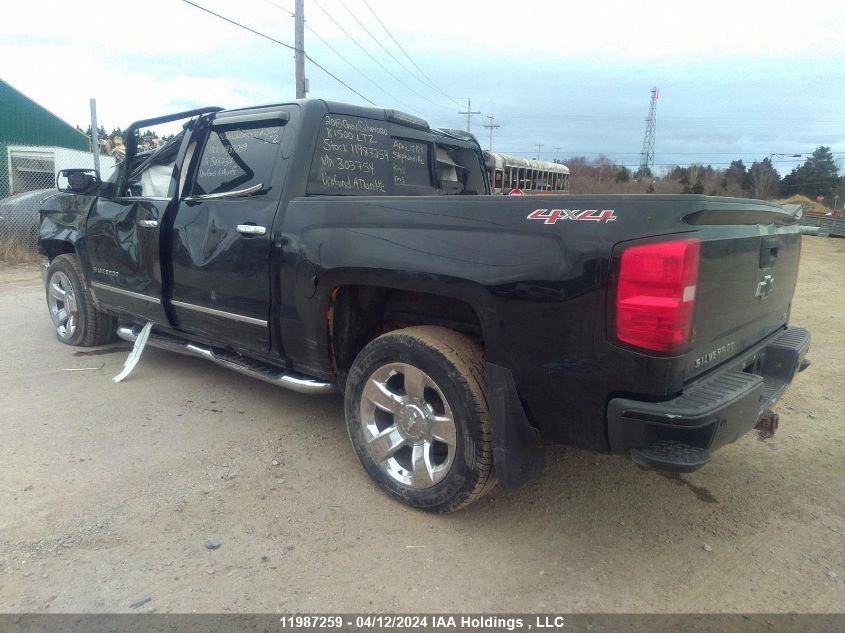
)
(427, 622)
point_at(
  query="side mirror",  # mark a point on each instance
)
(135, 188)
(82, 181)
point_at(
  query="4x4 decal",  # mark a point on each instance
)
(551, 216)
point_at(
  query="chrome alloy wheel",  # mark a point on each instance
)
(408, 425)
(61, 301)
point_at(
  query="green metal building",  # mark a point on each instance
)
(29, 137)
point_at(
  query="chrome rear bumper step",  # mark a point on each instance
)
(230, 360)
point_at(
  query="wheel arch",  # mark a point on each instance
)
(357, 312)
(62, 219)
(52, 248)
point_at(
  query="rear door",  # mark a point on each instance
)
(221, 235)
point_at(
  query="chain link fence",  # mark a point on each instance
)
(27, 178)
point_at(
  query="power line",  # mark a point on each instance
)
(383, 67)
(339, 54)
(361, 72)
(338, 79)
(375, 15)
(395, 41)
(376, 40)
(217, 15)
(278, 6)
(293, 48)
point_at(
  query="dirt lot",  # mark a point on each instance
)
(114, 494)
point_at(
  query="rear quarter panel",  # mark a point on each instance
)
(533, 287)
(539, 289)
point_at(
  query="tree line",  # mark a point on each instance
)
(119, 134)
(819, 175)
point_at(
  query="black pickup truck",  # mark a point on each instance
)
(322, 247)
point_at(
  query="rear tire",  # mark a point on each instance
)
(417, 416)
(71, 306)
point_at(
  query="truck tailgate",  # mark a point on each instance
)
(746, 280)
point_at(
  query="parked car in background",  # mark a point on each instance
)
(19, 215)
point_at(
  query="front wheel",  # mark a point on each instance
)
(71, 306)
(416, 411)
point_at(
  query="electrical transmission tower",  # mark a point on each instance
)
(647, 155)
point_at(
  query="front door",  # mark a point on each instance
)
(122, 242)
(221, 238)
(121, 248)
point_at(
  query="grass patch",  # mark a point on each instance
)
(804, 201)
(14, 251)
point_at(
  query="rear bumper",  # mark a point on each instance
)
(711, 412)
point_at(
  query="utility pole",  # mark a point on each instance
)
(469, 112)
(557, 152)
(299, 45)
(491, 127)
(647, 154)
(95, 135)
(539, 146)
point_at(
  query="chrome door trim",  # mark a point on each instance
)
(133, 198)
(220, 313)
(128, 293)
(227, 194)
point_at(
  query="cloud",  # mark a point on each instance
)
(733, 76)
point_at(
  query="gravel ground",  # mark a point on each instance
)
(190, 488)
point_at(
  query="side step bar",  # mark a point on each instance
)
(241, 364)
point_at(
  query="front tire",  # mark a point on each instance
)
(417, 416)
(71, 306)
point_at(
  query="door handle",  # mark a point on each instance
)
(148, 224)
(252, 229)
(769, 251)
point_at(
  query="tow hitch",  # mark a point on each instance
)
(767, 425)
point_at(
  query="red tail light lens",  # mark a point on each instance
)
(655, 297)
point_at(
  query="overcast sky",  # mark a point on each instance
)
(736, 79)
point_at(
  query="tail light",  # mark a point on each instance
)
(655, 296)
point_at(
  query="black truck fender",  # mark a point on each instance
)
(62, 223)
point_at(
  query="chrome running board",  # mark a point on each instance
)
(230, 360)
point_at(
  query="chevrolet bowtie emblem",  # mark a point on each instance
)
(765, 286)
